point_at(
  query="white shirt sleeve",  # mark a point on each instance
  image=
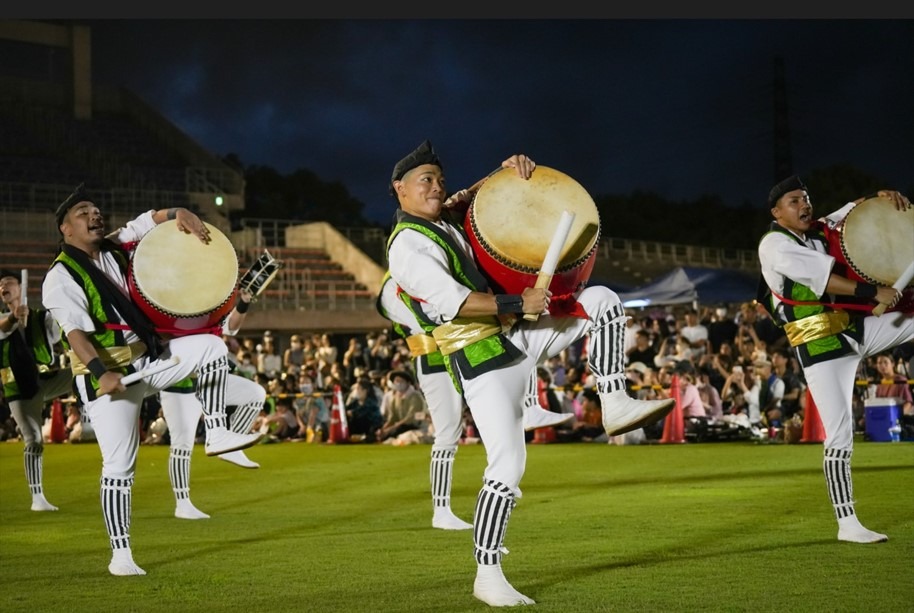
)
(420, 266)
(783, 258)
(66, 300)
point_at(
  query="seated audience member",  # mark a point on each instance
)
(281, 424)
(793, 384)
(771, 392)
(638, 375)
(363, 412)
(311, 411)
(694, 416)
(590, 427)
(406, 409)
(709, 395)
(889, 384)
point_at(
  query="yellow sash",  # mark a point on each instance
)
(112, 357)
(815, 327)
(457, 334)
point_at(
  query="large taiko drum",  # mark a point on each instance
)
(876, 241)
(185, 286)
(511, 222)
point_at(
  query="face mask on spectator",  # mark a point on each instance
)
(306, 388)
(400, 386)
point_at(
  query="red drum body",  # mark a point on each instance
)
(182, 284)
(875, 241)
(511, 223)
(875, 244)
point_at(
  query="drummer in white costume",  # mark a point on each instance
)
(432, 261)
(445, 404)
(829, 341)
(182, 410)
(87, 293)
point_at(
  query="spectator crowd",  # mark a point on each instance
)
(737, 378)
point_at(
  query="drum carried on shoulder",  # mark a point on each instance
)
(511, 223)
(875, 241)
(183, 285)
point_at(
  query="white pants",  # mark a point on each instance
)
(27, 412)
(831, 383)
(182, 411)
(445, 406)
(115, 417)
(496, 398)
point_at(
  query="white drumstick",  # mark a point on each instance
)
(551, 261)
(151, 370)
(899, 285)
(24, 288)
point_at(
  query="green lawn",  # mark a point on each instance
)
(691, 527)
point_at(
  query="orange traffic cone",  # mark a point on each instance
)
(673, 428)
(58, 427)
(544, 435)
(813, 431)
(339, 426)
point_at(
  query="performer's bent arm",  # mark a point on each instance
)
(187, 222)
(108, 382)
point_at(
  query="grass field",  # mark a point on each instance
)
(693, 527)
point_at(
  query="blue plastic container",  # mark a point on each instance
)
(880, 414)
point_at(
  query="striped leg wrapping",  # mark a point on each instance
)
(837, 467)
(211, 391)
(116, 509)
(32, 456)
(242, 420)
(531, 394)
(179, 472)
(607, 350)
(493, 509)
(441, 471)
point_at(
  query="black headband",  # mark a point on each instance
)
(423, 154)
(787, 185)
(78, 195)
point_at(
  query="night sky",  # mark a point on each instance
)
(680, 107)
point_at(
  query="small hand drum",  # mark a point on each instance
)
(261, 274)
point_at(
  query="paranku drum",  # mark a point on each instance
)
(260, 275)
(511, 222)
(183, 285)
(876, 241)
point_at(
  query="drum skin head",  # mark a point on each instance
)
(877, 240)
(180, 275)
(514, 219)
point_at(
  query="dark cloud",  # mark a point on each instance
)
(683, 107)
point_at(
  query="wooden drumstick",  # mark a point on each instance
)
(151, 370)
(24, 288)
(550, 262)
(899, 285)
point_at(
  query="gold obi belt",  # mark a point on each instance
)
(457, 334)
(421, 344)
(814, 327)
(111, 357)
(6, 374)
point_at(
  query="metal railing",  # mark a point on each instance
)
(298, 287)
